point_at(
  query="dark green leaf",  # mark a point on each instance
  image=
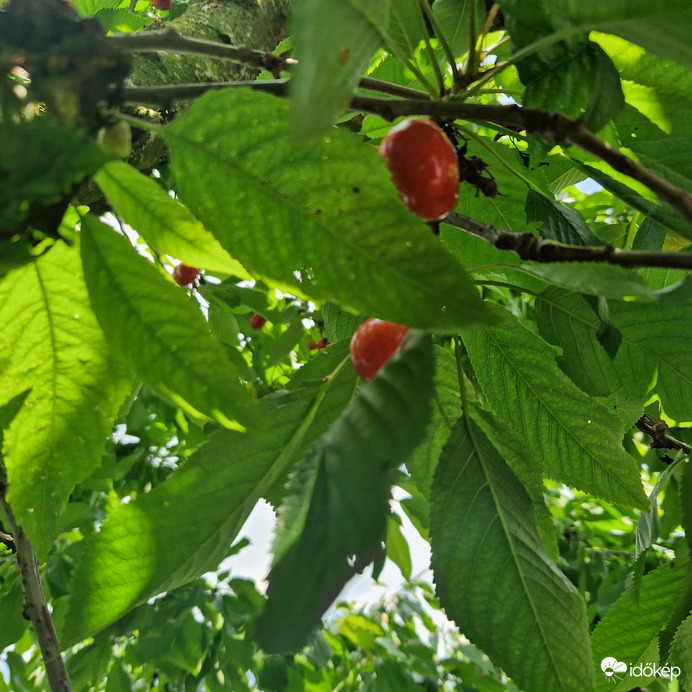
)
(333, 521)
(488, 562)
(557, 221)
(454, 17)
(577, 439)
(627, 630)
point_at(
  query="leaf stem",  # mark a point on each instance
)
(422, 4)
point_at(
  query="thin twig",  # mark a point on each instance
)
(528, 247)
(660, 439)
(8, 541)
(35, 606)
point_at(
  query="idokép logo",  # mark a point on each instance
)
(615, 670)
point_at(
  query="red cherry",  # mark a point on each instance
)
(323, 342)
(257, 321)
(184, 275)
(312, 345)
(373, 344)
(424, 167)
(161, 4)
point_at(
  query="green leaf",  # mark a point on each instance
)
(662, 27)
(663, 213)
(334, 43)
(454, 17)
(328, 212)
(488, 561)
(649, 522)
(148, 546)
(405, 26)
(628, 629)
(51, 344)
(557, 221)
(41, 162)
(397, 546)
(162, 221)
(597, 279)
(333, 521)
(682, 651)
(576, 439)
(158, 330)
(522, 462)
(654, 353)
(446, 409)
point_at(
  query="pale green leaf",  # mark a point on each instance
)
(327, 212)
(397, 546)
(575, 438)
(158, 330)
(162, 221)
(489, 562)
(334, 43)
(52, 345)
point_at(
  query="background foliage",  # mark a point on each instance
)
(535, 422)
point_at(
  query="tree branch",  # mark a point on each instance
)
(170, 41)
(35, 606)
(528, 247)
(533, 120)
(660, 439)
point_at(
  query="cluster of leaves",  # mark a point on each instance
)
(513, 372)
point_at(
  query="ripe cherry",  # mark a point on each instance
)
(162, 4)
(424, 167)
(257, 321)
(373, 344)
(184, 275)
(323, 342)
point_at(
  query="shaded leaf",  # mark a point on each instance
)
(333, 520)
(158, 330)
(454, 17)
(654, 353)
(488, 561)
(558, 221)
(576, 439)
(628, 629)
